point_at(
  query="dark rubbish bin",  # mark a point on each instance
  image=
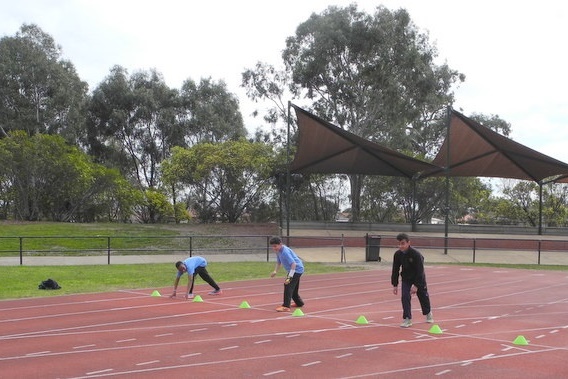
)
(373, 248)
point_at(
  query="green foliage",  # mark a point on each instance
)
(49, 179)
(39, 92)
(225, 178)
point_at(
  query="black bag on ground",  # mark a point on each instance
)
(49, 284)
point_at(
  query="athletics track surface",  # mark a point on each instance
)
(480, 313)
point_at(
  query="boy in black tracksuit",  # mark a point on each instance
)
(412, 263)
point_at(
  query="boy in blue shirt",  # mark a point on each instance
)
(194, 265)
(295, 268)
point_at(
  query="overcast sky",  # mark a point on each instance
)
(512, 53)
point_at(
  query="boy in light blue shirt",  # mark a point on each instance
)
(194, 265)
(295, 268)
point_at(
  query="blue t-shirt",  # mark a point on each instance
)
(191, 264)
(286, 257)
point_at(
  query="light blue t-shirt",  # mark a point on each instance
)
(286, 257)
(191, 264)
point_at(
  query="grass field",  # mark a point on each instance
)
(23, 281)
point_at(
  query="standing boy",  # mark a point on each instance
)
(295, 268)
(194, 265)
(412, 273)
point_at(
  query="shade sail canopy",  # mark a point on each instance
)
(475, 150)
(325, 148)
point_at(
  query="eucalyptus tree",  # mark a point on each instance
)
(40, 92)
(374, 75)
(209, 112)
(132, 124)
(225, 179)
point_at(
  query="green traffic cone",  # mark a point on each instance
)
(156, 293)
(435, 329)
(197, 299)
(244, 305)
(362, 320)
(298, 312)
(520, 340)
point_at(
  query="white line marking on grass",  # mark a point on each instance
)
(147, 363)
(274, 373)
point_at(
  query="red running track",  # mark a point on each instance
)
(127, 334)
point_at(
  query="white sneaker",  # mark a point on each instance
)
(406, 323)
(190, 296)
(430, 318)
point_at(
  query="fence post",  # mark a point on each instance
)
(268, 248)
(21, 251)
(539, 252)
(108, 250)
(190, 246)
(474, 240)
(343, 258)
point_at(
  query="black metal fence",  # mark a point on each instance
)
(109, 246)
(464, 249)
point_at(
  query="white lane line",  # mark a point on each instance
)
(190, 355)
(39, 353)
(229, 348)
(344, 355)
(127, 340)
(84, 346)
(311, 363)
(164, 335)
(263, 341)
(198, 330)
(99, 372)
(293, 335)
(147, 363)
(273, 373)
(443, 372)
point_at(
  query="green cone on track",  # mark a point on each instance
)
(362, 320)
(435, 329)
(520, 340)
